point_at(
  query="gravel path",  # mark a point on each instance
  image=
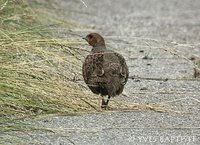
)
(156, 37)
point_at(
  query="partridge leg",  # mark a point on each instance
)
(105, 103)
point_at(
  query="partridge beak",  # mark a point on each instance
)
(85, 38)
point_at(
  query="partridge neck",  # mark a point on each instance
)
(98, 48)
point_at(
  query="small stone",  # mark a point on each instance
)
(144, 88)
(147, 57)
(192, 58)
(141, 51)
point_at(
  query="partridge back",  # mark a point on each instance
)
(105, 73)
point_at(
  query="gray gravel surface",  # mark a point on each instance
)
(157, 38)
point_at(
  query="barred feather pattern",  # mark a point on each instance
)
(105, 72)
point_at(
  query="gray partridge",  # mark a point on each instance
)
(104, 71)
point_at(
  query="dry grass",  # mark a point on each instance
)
(38, 70)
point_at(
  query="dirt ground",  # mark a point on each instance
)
(157, 38)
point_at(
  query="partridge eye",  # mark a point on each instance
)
(90, 36)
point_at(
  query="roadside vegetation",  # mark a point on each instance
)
(38, 70)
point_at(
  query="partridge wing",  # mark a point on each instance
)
(88, 68)
(93, 67)
(124, 72)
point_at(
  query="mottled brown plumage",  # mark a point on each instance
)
(104, 71)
